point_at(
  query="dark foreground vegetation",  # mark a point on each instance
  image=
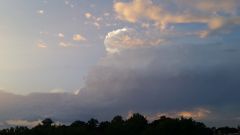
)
(136, 125)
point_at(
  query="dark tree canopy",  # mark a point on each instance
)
(92, 123)
(47, 122)
(135, 125)
(78, 123)
(117, 120)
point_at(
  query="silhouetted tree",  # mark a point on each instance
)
(47, 122)
(78, 124)
(117, 120)
(226, 130)
(117, 126)
(92, 123)
(135, 125)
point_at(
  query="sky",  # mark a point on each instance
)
(78, 59)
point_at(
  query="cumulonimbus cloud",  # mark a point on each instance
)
(170, 79)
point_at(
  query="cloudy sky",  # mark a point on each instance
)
(77, 59)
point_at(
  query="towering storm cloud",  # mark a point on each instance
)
(168, 78)
(84, 59)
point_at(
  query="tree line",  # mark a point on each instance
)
(135, 125)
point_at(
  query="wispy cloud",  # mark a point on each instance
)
(140, 10)
(65, 45)
(61, 35)
(197, 113)
(88, 15)
(57, 90)
(41, 44)
(93, 20)
(213, 6)
(40, 12)
(21, 122)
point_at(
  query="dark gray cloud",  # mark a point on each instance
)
(147, 80)
(168, 77)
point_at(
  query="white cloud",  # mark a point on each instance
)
(44, 33)
(106, 14)
(127, 38)
(57, 90)
(77, 92)
(197, 114)
(145, 25)
(79, 37)
(23, 123)
(96, 24)
(140, 10)
(88, 15)
(61, 35)
(64, 44)
(66, 2)
(93, 20)
(134, 10)
(40, 12)
(41, 44)
(145, 9)
(212, 6)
